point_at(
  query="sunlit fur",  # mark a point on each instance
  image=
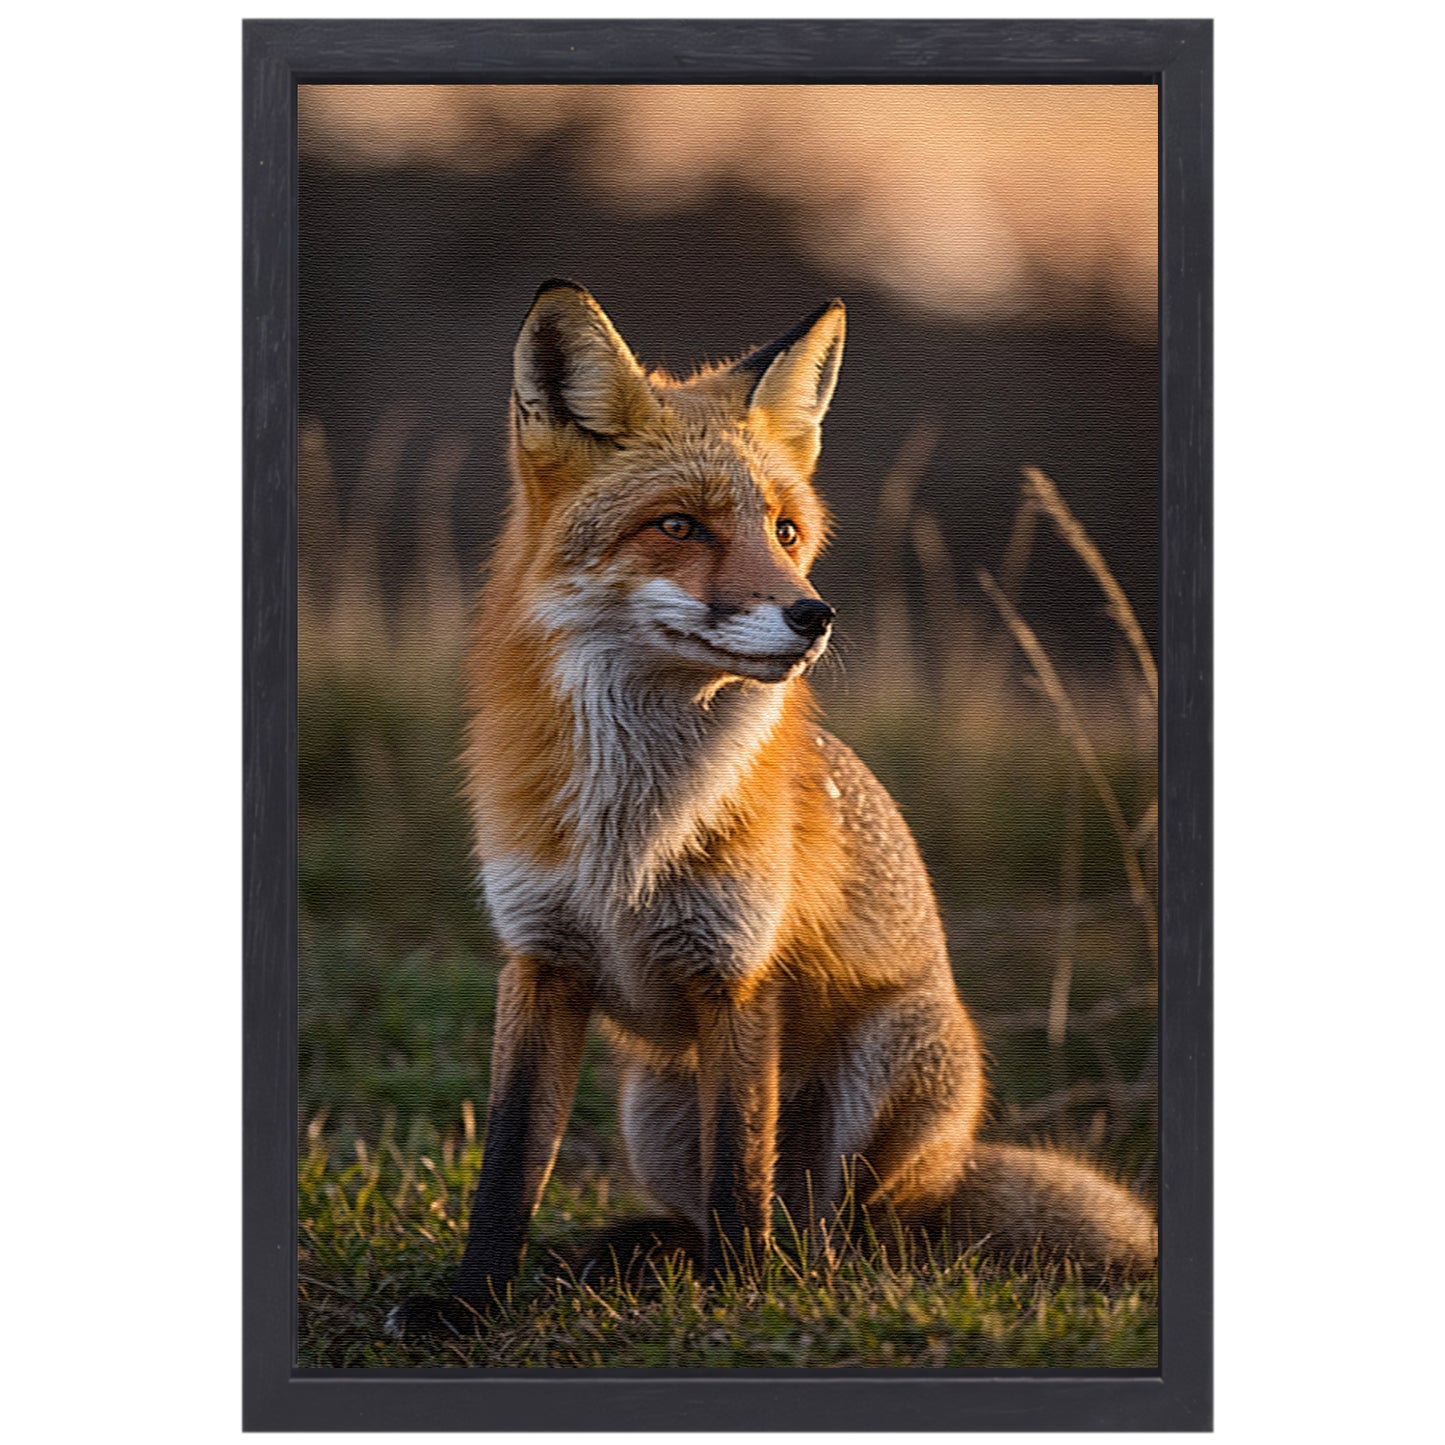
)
(660, 815)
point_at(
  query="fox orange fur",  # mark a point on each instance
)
(670, 841)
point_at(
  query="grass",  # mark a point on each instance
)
(389, 1221)
(397, 991)
(406, 1035)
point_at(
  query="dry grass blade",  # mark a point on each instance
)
(318, 520)
(1078, 739)
(1045, 496)
(952, 625)
(1106, 1011)
(932, 553)
(892, 632)
(1070, 868)
(1148, 825)
(1020, 547)
(895, 501)
(1122, 1098)
(344, 621)
(436, 543)
(372, 497)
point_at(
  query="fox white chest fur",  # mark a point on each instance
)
(656, 765)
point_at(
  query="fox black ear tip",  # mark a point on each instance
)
(559, 283)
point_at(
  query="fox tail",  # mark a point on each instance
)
(1014, 1202)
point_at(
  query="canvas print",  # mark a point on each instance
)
(728, 606)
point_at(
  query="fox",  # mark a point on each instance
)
(671, 842)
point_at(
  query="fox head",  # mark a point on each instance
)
(674, 519)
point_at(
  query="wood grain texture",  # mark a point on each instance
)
(1186, 743)
(269, 728)
(762, 50)
(277, 55)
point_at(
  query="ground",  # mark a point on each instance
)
(391, 1222)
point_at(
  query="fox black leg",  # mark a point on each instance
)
(809, 1175)
(738, 1093)
(542, 1015)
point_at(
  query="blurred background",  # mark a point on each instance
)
(996, 247)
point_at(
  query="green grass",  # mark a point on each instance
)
(389, 1221)
(407, 1034)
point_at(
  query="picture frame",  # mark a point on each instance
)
(280, 55)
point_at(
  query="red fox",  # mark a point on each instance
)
(670, 840)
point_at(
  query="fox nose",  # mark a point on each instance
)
(809, 617)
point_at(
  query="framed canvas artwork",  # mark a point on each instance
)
(727, 725)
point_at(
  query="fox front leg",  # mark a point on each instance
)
(737, 1046)
(542, 1014)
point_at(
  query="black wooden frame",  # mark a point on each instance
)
(1177, 55)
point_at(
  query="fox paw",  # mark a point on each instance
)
(433, 1317)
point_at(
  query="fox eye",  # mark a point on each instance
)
(677, 526)
(787, 532)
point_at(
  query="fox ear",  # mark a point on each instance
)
(796, 375)
(570, 368)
